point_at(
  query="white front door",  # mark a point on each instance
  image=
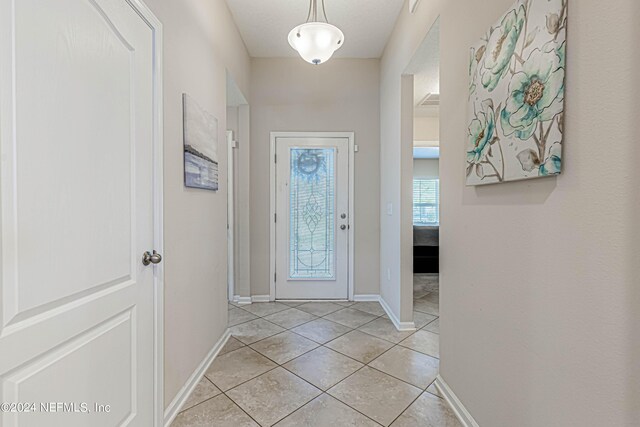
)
(312, 218)
(76, 204)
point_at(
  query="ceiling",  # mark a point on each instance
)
(425, 66)
(265, 25)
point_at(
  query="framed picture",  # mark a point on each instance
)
(516, 95)
(200, 146)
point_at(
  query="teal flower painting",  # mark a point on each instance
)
(501, 46)
(536, 95)
(481, 132)
(516, 95)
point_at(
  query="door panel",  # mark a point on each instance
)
(69, 362)
(73, 40)
(311, 198)
(76, 142)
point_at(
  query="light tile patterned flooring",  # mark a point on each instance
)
(324, 364)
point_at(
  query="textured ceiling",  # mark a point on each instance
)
(265, 24)
(425, 67)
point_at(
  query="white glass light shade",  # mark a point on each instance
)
(316, 41)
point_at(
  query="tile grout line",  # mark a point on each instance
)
(293, 373)
(330, 395)
(351, 329)
(250, 379)
(242, 409)
(346, 355)
(422, 390)
(328, 348)
(405, 409)
(323, 392)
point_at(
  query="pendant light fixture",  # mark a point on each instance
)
(316, 39)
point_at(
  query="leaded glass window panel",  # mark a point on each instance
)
(312, 195)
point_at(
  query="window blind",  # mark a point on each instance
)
(426, 201)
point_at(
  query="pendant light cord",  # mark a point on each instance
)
(312, 16)
(324, 13)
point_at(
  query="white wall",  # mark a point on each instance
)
(426, 168)
(341, 95)
(540, 288)
(200, 41)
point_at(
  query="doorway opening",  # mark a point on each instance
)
(237, 144)
(312, 227)
(423, 186)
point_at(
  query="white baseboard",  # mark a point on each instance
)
(400, 326)
(458, 408)
(260, 298)
(176, 404)
(366, 298)
(312, 300)
(243, 300)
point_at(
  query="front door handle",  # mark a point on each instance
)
(151, 258)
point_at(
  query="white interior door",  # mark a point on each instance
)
(76, 204)
(312, 218)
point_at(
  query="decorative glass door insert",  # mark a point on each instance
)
(312, 213)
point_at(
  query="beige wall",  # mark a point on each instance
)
(426, 128)
(540, 290)
(200, 40)
(539, 304)
(396, 148)
(426, 168)
(341, 95)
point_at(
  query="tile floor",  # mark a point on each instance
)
(324, 364)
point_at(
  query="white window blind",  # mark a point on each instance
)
(426, 201)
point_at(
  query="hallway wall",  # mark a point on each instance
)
(426, 128)
(200, 42)
(540, 294)
(396, 147)
(341, 95)
(426, 168)
(539, 290)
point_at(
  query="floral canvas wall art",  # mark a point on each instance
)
(516, 95)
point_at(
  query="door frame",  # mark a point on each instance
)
(231, 276)
(158, 208)
(272, 205)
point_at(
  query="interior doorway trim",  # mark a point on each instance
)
(231, 277)
(158, 205)
(272, 205)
